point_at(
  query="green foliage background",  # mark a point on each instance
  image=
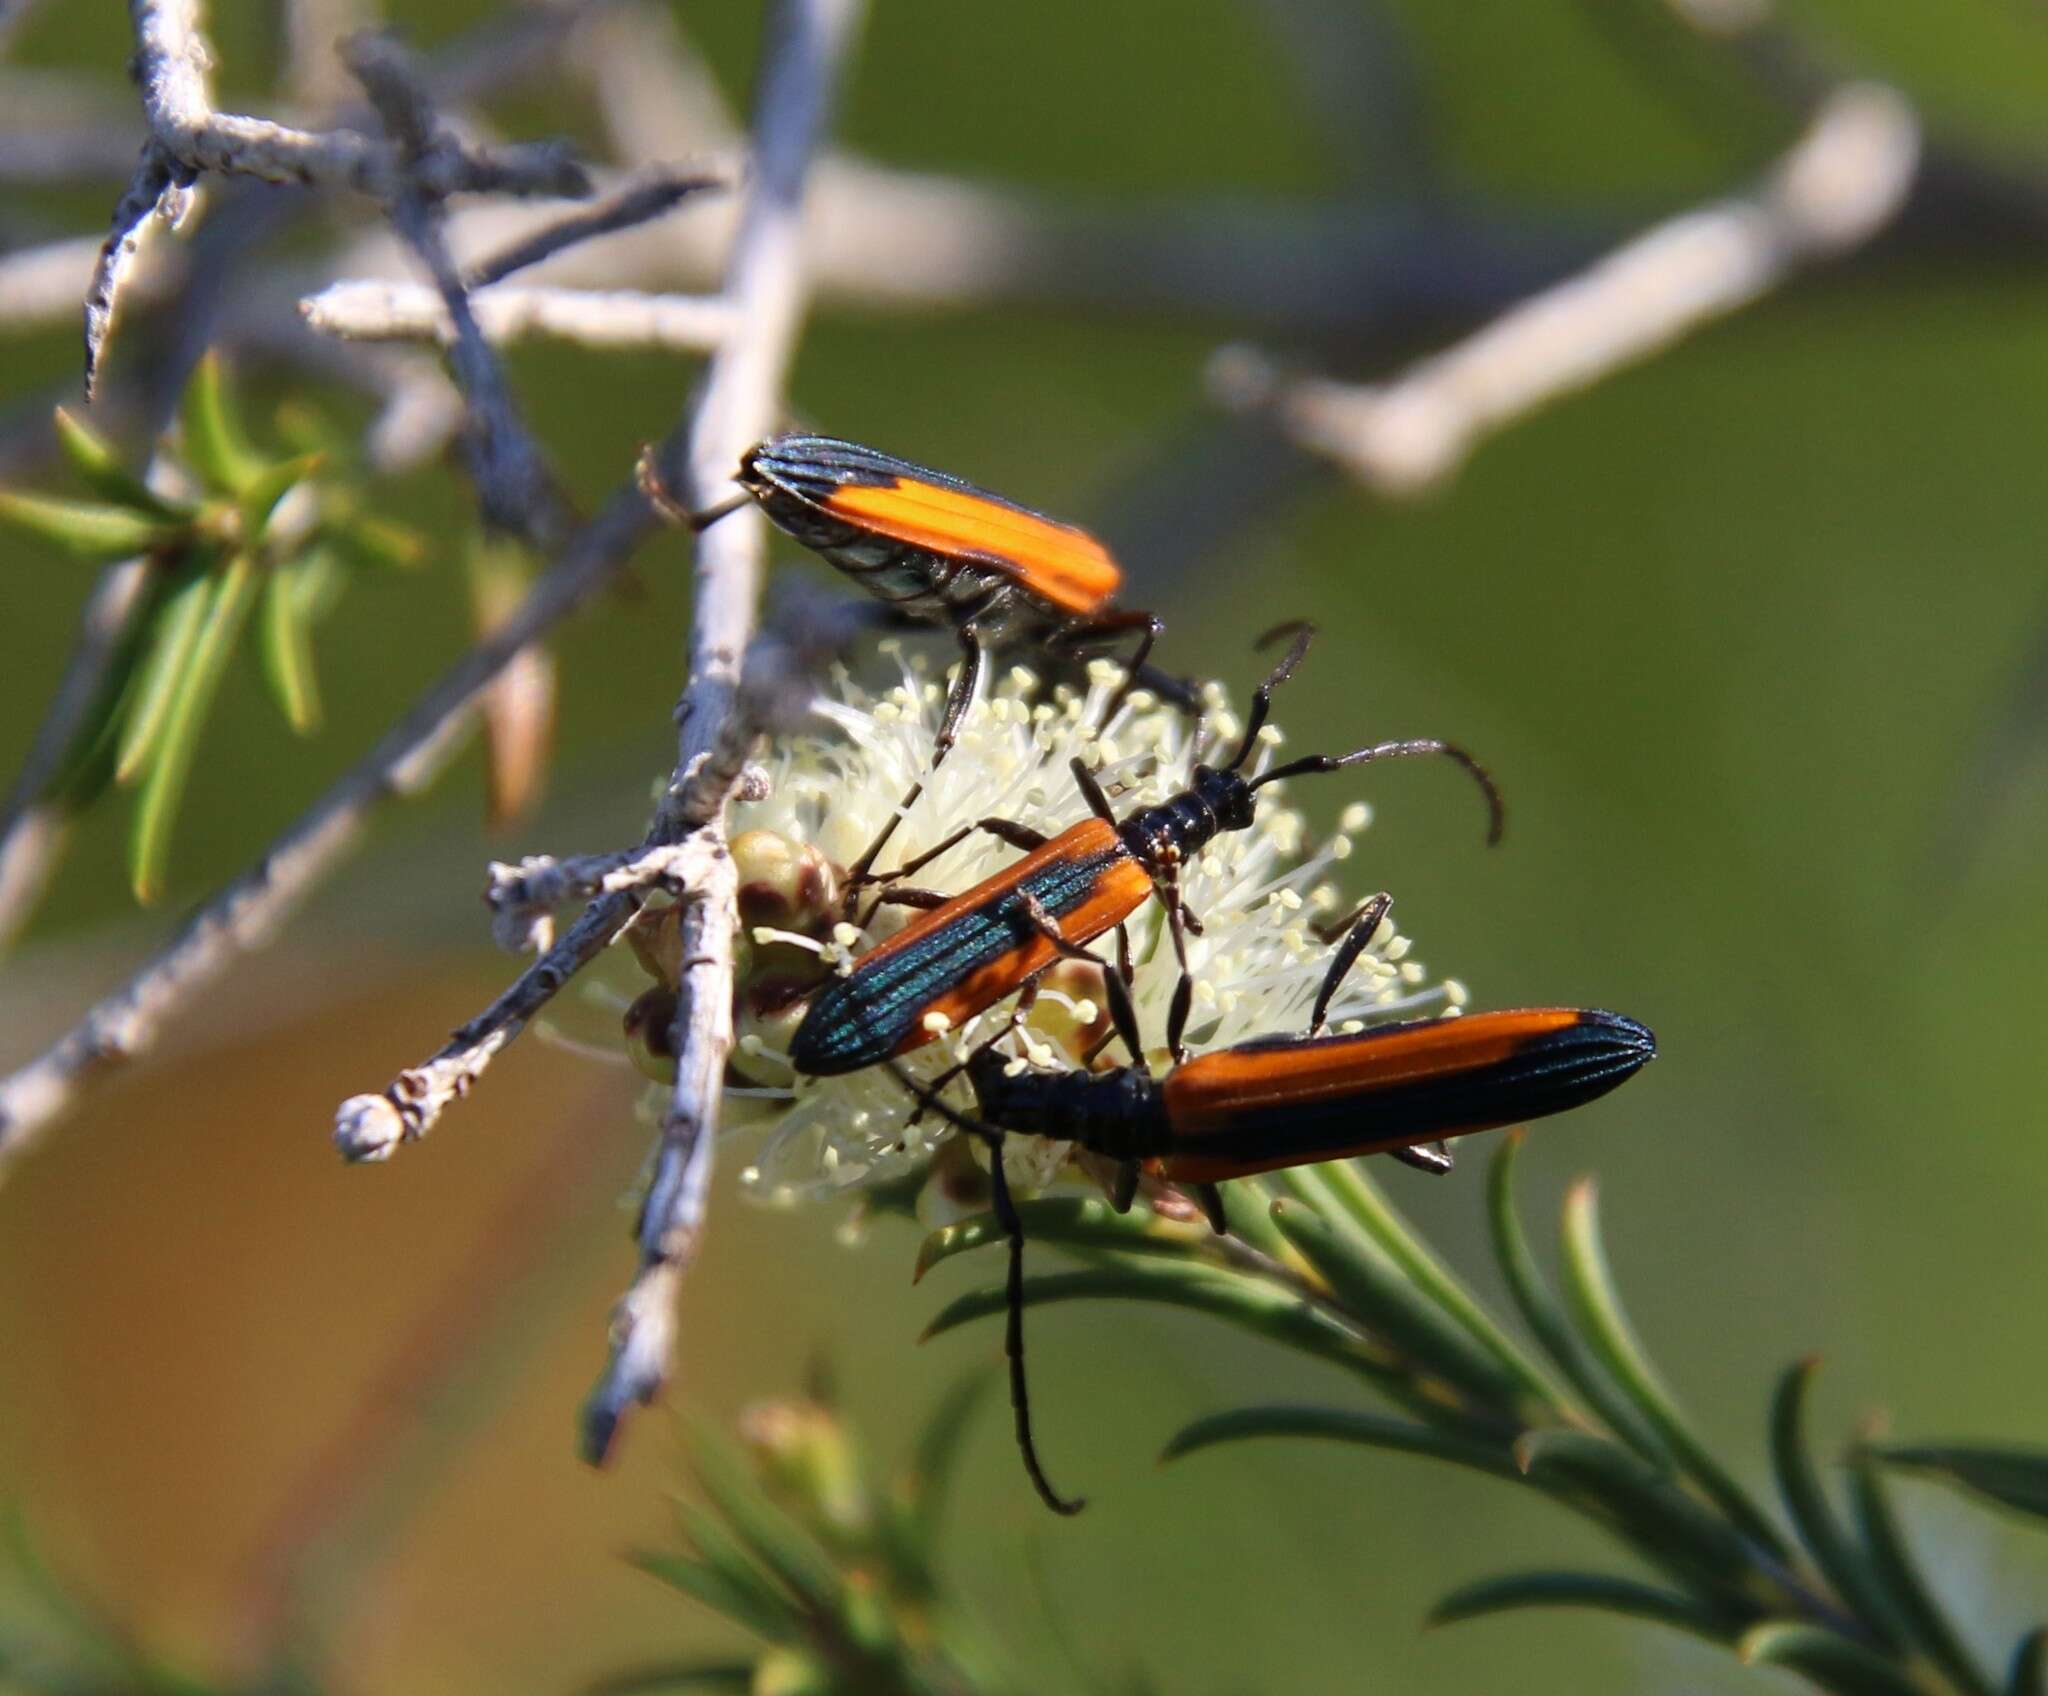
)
(1736, 630)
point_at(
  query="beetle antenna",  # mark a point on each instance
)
(1262, 697)
(1013, 1339)
(1496, 809)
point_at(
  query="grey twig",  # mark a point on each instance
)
(160, 188)
(242, 916)
(173, 64)
(767, 286)
(649, 196)
(514, 486)
(683, 852)
(1839, 186)
(371, 311)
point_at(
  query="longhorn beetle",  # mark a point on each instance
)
(1281, 1101)
(938, 550)
(966, 953)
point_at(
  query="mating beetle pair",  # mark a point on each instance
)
(941, 551)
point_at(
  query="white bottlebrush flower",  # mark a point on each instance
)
(1261, 895)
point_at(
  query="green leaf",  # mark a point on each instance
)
(1264, 1309)
(1911, 1604)
(318, 578)
(1546, 1319)
(1075, 1221)
(1596, 1304)
(737, 1677)
(1339, 1425)
(771, 1536)
(87, 530)
(1361, 1198)
(2028, 1673)
(1834, 1551)
(1832, 1662)
(1648, 1509)
(156, 807)
(173, 634)
(2014, 1478)
(287, 651)
(1517, 1590)
(373, 544)
(269, 486)
(1370, 1286)
(772, 1608)
(94, 459)
(930, 1471)
(705, 1584)
(212, 437)
(86, 769)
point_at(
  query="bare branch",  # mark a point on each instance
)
(610, 318)
(682, 853)
(1841, 185)
(766, 284)
(641, 200)
(160, 188)
(174, 65)
(245, 914)
(514, 486)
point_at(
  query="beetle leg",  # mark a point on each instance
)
(1184, 991)
(1123, 1016)
(1013, 1340)
(958, 699)
(1110, 624)
(1211, 1199)
(922, 899)
(1016, 835)
(1125, 1190)
(1363, 923)
(1091, 790)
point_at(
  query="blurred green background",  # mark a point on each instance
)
(1736, 630)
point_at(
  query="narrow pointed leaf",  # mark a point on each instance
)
(1912, 1605)
(1834, 1551)
(736, 1677)
(1648, 1509)
(2028, 1674)
(211, 436)
(717, 1548)
(769, 1534)
(172, 636)
(374, 544)
(94, 459)
(156, 806)
(86, 770)
(1517, 1590)
(704, 1583)
(1832, 1662)
(318, 576)
(1341, 1425)
(1546, 1319)
(263, 491)
(1264, 1309)
(1597, 1306)
(1379, 1293)
(1073, 1221)
(86, 530)
(2013, 1477)
(1354, 1190)
(930, 1471)
(287, 651)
